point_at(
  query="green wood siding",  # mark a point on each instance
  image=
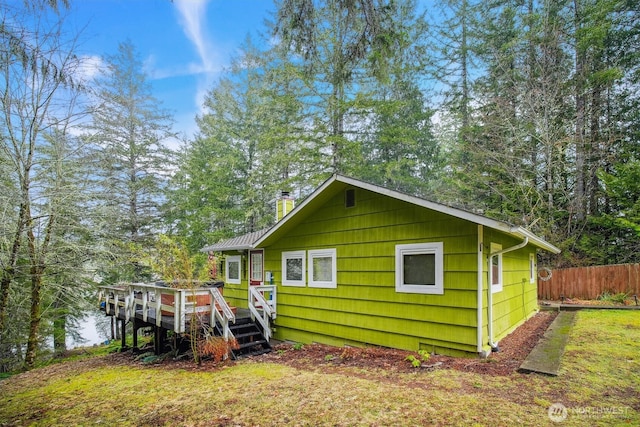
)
(518, 300)
(236, 295)
(365, 308)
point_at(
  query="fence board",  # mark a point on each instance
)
(591, 282)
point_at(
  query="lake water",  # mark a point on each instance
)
(94, 330)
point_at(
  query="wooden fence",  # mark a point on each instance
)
(591, 282)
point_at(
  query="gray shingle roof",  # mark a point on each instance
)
(236, 243)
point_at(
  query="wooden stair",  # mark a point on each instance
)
(250, 339)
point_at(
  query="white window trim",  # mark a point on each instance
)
(435, 248)
(495, 247)
(323, 253)
(229, 260)
(532, 268)
(251, 254)
(293, 255)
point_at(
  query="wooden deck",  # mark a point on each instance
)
(139, 304)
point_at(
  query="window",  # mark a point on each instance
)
(256, 266)
(293, 268)
(532, 268)
(322, 268)
(233, 269)
(419, 268)
(496, 268)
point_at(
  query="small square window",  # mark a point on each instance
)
(322, 268)
(233, 264)
(293, 268)
(419, 268)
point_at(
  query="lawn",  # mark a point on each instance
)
(598, 384)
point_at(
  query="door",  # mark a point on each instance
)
(256, 267)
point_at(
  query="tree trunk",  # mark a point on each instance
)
(38, 265)
(60, 326)
(580, 190)
(464, 58)
(8, 273)
(34, 318)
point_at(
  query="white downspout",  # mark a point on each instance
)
(494, 346)
(479, 293)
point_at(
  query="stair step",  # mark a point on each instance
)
(248, 334)
(250, 344)
(245, 326)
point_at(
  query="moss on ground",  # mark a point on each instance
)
(598, 384)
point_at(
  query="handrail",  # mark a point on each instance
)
(258, 302)
(224, 315)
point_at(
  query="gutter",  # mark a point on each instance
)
(494, 346)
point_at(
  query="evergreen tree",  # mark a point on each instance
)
(131, 159)
(37, 106)
(337, 40)
(399, 148)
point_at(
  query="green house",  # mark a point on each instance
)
(358, 264)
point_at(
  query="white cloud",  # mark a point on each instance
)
(89, 68)
(193, 22)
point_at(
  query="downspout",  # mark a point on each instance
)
(494, 346)
(479, 293)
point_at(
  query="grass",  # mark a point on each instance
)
(598, 384)
(614, 298)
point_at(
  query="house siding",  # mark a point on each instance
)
(237, 294)
(518, 300)
(365, 308)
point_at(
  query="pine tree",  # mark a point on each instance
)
(39, 90)
(131, 159)
(337, 41)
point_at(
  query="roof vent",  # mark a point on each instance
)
(350, 198)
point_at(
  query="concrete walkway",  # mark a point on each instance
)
(545, 356)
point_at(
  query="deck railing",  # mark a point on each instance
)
(151, 302)
(261, 308)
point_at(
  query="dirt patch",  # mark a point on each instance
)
(629, 301)
(513, 350)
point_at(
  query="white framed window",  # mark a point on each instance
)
(232, 268)
(293, 268)
(420, 268)
(532, 268)
(256, 261)
(322, 268)
(496, 268)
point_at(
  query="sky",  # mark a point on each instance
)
(184, 44)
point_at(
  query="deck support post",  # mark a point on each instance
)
(123, 334)
(135, 333)
(158, 339)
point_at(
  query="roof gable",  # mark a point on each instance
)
(338, 183)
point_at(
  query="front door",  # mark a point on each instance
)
(256, 267)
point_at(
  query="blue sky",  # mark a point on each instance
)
(184, 43)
